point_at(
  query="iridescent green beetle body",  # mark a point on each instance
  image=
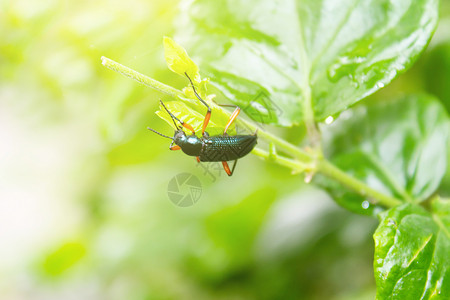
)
(207, 148)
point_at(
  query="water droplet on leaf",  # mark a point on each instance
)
(329, 120)
(365, 204)
(392, 223)
(308, 177)
(345, 66)
(380, 85)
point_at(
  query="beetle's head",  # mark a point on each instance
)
(179, 135)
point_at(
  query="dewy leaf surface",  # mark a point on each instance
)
(412, 248)
(397, 147)
(270, 53)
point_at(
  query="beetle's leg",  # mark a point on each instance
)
(233, 116)
(208, 113)
(227, 168)
(174, 147)
(198, 158)
(206, 121)
(187, 126)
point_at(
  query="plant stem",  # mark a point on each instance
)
(375, 197)
(280, 143)
(296, 166)
(310, 122)
(308, 111)
(141, 78)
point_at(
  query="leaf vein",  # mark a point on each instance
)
(429, 266)
(391, 179)
(338, 28)
(419, 250)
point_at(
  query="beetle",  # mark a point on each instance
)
(208, 148)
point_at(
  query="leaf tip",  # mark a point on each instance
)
(178, 60)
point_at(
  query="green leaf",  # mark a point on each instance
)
(64, 258)
(336, 52)
(398, 148)
(179, 61)
(412, 249)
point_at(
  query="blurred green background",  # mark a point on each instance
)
(84, 210)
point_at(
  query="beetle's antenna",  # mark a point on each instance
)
(171, 115)
(159, 133)
(195, 92)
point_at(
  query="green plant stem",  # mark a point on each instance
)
(141, 78)
(305, 87)
(296, 166)
(375, 197)
(304, 161)
(280, 143)
(308, 113)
